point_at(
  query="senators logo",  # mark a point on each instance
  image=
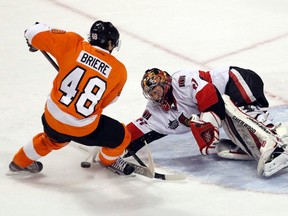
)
(58, 31)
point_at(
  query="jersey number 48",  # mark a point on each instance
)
(88, 98)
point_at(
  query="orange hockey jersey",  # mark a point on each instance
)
(89, 79)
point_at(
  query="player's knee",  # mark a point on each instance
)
(51, 144)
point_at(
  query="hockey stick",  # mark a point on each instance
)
(156, 174)
(48, 57)
(148, 171)
(141, 170)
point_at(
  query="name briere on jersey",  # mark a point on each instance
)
(94, 63)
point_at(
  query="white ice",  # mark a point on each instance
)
(168, 34)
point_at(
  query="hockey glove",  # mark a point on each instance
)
(31, 48)
(206, 133)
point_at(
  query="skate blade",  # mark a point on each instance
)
(21, 174)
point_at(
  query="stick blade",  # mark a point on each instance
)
(141, 170)
(147, 171)
(174, 177)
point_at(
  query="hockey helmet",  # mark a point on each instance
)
(156, 77)
(102, 32)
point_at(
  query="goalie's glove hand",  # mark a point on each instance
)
(205, 133)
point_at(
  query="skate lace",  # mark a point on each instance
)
(120, 164)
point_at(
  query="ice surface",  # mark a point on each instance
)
(167, 34)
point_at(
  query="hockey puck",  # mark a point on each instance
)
(85, 164)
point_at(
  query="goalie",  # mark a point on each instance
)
(202, 102)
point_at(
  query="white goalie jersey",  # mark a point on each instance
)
(193, 94)
(186, 86)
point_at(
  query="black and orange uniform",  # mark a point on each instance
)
(88, 80)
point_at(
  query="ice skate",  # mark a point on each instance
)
(35, 167)
(121, 167)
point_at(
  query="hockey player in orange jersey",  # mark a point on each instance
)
(88, 80)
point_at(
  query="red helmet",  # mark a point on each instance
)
(156, 77)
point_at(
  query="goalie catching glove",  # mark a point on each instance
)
(205, 131)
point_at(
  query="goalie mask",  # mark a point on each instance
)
(156, 85)
(102, 32)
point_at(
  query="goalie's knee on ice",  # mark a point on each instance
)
(225, 148)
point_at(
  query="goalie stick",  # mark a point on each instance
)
(156, 174)
(147, 171)
(141, 169)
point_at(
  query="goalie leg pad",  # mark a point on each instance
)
(266, 141)
(227, 149)
(241, 137)
(278, 161)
